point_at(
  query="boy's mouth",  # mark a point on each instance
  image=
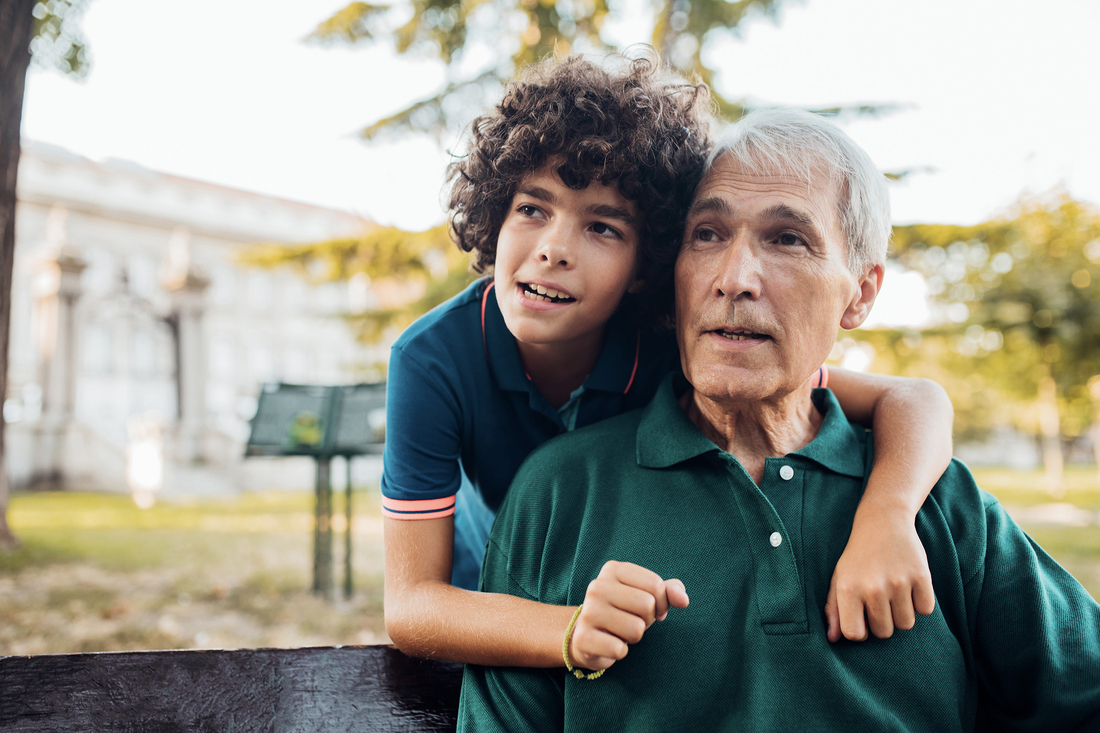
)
(543, 293)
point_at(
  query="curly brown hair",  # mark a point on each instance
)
(626, 122)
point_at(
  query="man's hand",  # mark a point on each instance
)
(883, 575)
(620, 604)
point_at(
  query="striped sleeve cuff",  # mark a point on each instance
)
(822, 377)
(418, 509)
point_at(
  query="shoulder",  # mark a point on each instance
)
(967, 513)
(560, 475)
(455, 322)
(607, 443)
(537, 533)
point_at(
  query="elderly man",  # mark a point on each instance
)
(732, 483)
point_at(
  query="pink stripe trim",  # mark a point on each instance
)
(418, 505)
(428, 515)
(823, 376)
(484, 299)
(637, 350)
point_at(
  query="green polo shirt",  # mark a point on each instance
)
(1014, 642)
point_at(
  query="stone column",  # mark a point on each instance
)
(56, 290)
(187, 287)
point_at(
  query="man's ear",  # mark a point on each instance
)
(857, 311)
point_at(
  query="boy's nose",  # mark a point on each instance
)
(555, 249)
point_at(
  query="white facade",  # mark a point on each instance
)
(114, 266)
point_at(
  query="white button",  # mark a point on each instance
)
(786, 473)
(776, 539)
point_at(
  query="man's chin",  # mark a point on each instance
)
(739, 386)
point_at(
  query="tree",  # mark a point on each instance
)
(47, 31)
(483, 42)
(411, 272)
(1025, 291)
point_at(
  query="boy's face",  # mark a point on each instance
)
(564, 260)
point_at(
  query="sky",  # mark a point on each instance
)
(995, 98)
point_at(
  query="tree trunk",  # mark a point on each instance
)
(15, 57)
(1051, 436)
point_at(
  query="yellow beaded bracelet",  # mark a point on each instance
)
(565, 651)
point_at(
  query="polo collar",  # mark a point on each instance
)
(666, 436)
(614, 370)
(500, 345)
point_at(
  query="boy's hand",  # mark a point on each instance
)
(620, 604)
(883, 573)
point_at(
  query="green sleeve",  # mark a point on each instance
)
(1037, 637)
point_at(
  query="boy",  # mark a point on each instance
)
(573, 192)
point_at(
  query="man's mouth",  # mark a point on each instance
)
(543, 293)
(740, 334)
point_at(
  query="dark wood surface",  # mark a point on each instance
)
(374, 688)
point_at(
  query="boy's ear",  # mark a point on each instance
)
(860, 306)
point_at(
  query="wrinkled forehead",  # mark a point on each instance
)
(812, 186)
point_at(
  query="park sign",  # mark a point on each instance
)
(321, 422)
(316, 420)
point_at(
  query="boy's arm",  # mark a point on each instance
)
(427, 617)
(883, 571)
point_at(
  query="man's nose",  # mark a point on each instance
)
(740, 272)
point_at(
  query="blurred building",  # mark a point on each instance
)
(133, 325)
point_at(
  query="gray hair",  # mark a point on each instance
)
(796, 143)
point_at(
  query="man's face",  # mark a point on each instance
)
(762, 284)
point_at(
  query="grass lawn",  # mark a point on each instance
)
(95, 573)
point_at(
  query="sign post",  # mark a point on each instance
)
(321, 422)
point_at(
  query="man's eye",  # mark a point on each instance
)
(787, 239)
(706, 235)
(604, 230)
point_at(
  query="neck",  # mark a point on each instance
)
(754, 431)
(558, 369)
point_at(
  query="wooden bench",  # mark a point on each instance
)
(374, 688)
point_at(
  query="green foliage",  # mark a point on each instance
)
(58, 42)
(1025, 291)
(411, 272)
(512, 33)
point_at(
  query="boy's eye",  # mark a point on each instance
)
(604, 230)
(789, 239)
(528, 210)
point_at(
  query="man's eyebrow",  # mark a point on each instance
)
(783, 212)
(711, 205)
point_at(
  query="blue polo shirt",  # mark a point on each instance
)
(461, 414)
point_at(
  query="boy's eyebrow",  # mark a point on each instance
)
(538, 192)
(602, 210)
(607, 211)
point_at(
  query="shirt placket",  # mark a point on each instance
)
(780, 593)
